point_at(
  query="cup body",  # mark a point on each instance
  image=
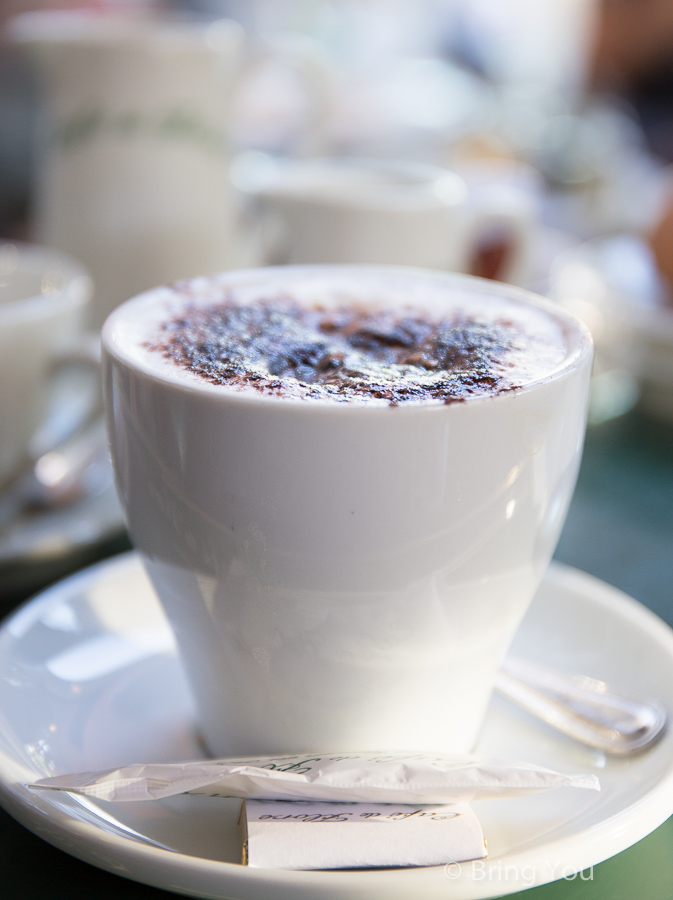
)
(43, 296)
(340, 575)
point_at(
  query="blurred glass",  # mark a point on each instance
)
(613, 285)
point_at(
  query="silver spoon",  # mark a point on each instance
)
(60, 476)
(584, 708)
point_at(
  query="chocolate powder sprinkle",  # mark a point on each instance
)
(352, 352)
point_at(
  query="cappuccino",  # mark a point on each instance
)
(346, 484)
(338, 345)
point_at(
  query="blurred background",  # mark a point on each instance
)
(156, 141)
(579, 90)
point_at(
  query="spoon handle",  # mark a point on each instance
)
(583, 708)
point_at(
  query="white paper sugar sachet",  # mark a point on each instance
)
(416, 778)
(281, 834)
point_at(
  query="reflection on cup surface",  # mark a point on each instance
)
(344, 568)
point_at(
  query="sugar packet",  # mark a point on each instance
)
(281, 834)
(407, 778)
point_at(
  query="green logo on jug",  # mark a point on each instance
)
(178, 125)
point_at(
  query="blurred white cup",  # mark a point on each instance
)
(376, 211)
(43, 295)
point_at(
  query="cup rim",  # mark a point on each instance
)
(75, 291)
(419, 184)
(577, 355)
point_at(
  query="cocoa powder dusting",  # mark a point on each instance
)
(350, 352)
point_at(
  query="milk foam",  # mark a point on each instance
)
(549, 340)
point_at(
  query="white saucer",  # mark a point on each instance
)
(89, 679)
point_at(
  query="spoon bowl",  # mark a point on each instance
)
(586, 709)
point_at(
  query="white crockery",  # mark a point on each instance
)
(43, 295)
(378, 211)
(613, 284)
(89, 679)
(337, 573)
(133, 178)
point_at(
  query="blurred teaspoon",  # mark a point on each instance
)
(60, 476)
(586, 709)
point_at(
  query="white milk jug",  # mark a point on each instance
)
(134, 179)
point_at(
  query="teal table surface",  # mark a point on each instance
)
(620, 529)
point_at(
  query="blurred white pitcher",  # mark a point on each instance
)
(377, 211)
(134, 179)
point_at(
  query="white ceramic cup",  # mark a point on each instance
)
(340, 575)
(43, 295)
(378, 211)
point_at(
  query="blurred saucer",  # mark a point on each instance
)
(40, 545)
